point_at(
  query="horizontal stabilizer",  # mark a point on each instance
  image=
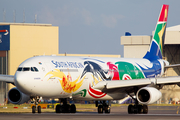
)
(171, 66)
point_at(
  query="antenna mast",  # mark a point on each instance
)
(4, 15)
(14, 16)
(24, 16)
(35, 18)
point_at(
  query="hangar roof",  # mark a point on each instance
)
(26, 24)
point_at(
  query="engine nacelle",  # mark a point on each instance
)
(15, 96)
(148, 95)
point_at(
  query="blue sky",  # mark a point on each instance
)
(92, 26)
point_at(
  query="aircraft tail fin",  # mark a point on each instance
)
(156, 47)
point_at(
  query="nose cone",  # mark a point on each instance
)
(21, 82)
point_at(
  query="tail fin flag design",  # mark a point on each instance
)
(156, 47)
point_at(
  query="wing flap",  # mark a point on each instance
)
(122, 83)
(168, 80)
(125, 84)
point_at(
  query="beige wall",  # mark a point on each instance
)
(135, 46)
(135, 40)
(135, 51)
(90, 55)
(27, 41)
(172, 37)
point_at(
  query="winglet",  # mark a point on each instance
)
(156, 46)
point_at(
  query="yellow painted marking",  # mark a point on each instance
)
(161, 34)
(165, 16)
(177, 110)
(67, 84)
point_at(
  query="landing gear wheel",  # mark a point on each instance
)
(100, 109)
(33, 109)
(66, 108)
(59, 109)
(145, 109)
(107, 110)
(130, 109)
(103, 106)
(39, 109)
(140, 109)
(134, 109)
(73, 108)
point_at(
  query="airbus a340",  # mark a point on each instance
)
(98, 79)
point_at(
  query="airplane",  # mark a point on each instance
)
(94, 78)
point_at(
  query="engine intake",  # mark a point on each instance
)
(15, 96)
(148, 95)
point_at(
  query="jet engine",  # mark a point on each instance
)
(15, 96)
(148, 95)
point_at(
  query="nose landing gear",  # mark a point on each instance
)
(35, 107)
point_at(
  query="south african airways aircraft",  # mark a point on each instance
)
(98, 79)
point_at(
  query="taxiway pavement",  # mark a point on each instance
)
(117, 113)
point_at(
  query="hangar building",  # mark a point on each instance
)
(19, 41)
(137, 46)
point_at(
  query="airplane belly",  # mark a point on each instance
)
(109, 96)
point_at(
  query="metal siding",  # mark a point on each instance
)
(2, 84)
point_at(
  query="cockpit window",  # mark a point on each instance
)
(34, 69)
(26, 69)
(19, 69)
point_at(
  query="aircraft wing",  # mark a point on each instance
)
(128, 85)
(7, 78)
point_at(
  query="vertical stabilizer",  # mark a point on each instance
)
(156, 47)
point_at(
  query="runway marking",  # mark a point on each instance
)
(177, 110)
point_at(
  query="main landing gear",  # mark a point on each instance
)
(63, 107)
(35, 107)
(137, 109)
(103, 106)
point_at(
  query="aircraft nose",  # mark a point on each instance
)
(21, 81)
(18, 79)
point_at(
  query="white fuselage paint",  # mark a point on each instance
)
(78, 73)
